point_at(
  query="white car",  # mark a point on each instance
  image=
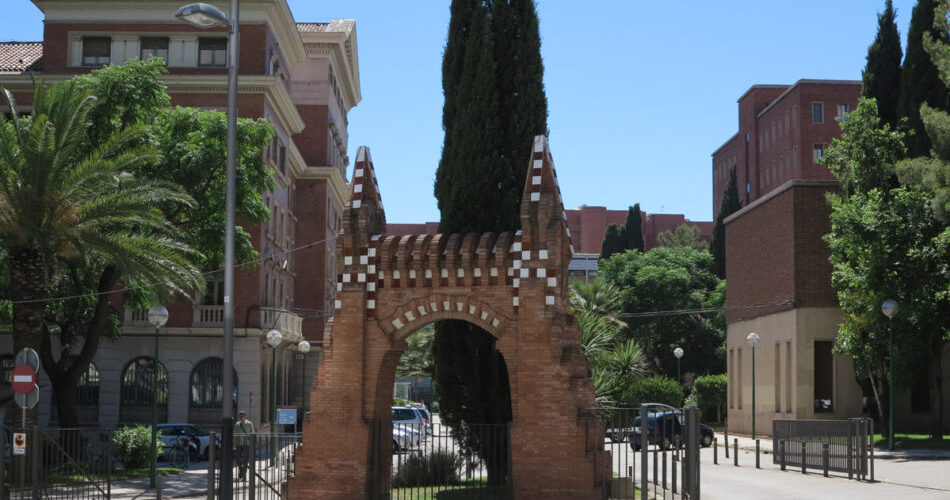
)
(409, 420)
(199, 439)
(404, 439)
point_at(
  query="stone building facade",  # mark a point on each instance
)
(301, 77)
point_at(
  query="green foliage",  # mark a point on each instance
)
(614, 242)
(920, 81)
(400, 401)
(437, 468)
(662, 390)
(730, 204)
(882, 73)
(634, 228)
(417, 359)
(671, 279)
(684, 236)
(132, 445)
(710, 396)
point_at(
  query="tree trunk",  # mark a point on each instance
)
(29, 288)
(64, 392)
(881, 409)
(936, 389)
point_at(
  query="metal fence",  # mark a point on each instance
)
(835, 445)
(664, 463)
(57, 463)
(263, 463)
(432, 460)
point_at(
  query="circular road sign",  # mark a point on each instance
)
(24, 379)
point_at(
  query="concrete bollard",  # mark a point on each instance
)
(715, 451)
(804, 457)
(824, 458)
(675, 463)
(664, 469)
(757, 454)
(725, 441)
(781, 453)
(735, 451)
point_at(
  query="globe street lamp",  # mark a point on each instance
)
(889, 308)
(753, 339)
(157, 317)
(678, 352)
(205, 16)
(303, 348)
(274, 338)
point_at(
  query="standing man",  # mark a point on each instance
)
(243, 435)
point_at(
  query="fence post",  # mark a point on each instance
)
(781, 451)
(251, 462)
(644, 422)
(664, 469)
(212, 444)
(757, 454)
(715, 451)
(804, 458)
(824, 457)
(3, 464)
(656, 466)
(850, 457)
(36, 462)
(735, 451)
(871, 445)
(109, 464)
(692, 421)
(675, 463)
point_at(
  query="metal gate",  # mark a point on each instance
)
(432, 460)
(657, 459)
(262, 466)
(58, 463)
(838, 445)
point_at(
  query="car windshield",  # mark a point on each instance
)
(424, 413)
(403, 414)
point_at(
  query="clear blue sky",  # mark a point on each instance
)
(639, 93)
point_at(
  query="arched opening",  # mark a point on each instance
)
(7, 363)
(87, 397)
(135, 396)
(473, 439)
(206, 392)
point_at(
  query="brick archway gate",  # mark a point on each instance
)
(514, 286)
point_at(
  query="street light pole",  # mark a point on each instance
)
(157, 316)
(205, 16)
(889, 308)
(753, 339)
(678, 352)
(303, 348)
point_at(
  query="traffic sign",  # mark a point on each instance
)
(24, 379)
(28, 356)
(27, 401)
(19, 443)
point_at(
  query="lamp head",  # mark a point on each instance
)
(889, 308)
(303, 346)
(274, 338)
(157, 315)
(678, 352)
(753, 339)
(202, 15)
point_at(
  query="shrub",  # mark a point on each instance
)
(710, 391)
(439, 468)
(131, 446)
(400, 401)
(654, 390)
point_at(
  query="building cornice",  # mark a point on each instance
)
(815, 183)
(334, 178)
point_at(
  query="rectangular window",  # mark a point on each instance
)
(773, 132)
(214, 291)
(96, 50)
(732, 379)
(213, 52)
(786, 122)
(788, 377)
(824, 382)
(739, 386)
(282, 158)
(778, 377)
(157, 47)
(818, 152)
(817, 112)
(794, 156)
(842, 112)
(794, 116)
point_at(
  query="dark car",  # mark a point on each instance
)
(666, 429)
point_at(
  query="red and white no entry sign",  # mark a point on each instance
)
(24, 379)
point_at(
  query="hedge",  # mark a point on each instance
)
(654, 390)
(710, 391)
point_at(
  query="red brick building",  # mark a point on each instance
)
(303, 78)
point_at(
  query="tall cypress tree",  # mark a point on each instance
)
(882, 73)
(920, 81)
(634, 228)
(730, 204)
(613, 242)
(494, 106)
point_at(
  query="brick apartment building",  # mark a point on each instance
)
(588, 224)
(775, 255)
(303, 78)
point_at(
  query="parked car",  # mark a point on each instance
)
(199, 438)
(404, 439)
(409, 418)
(665, 429)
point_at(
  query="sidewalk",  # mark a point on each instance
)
(746, 443)
(191, 483)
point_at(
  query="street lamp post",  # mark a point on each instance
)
(678, 352)
(753, 339)
(207, 16)
(889, 308)
(303, 348)
(157, 316)
(274, 338)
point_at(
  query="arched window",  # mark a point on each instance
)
(206, 391)
(136, 393)
(87, 397)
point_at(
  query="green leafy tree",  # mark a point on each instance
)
(417, 360)
(886, 242)
(68, 201)
(685, 235)
(634, 228)
(613, 242)
(671, 282)
(730, 204)
(920, 81)
(882, 73)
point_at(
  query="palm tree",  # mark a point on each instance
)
(67, 202)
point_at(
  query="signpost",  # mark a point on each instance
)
(26, 394)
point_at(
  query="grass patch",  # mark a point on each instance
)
(914, 441)
(471, 489)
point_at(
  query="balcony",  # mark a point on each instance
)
(207, 316)
(289, 324)
(136, 317)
